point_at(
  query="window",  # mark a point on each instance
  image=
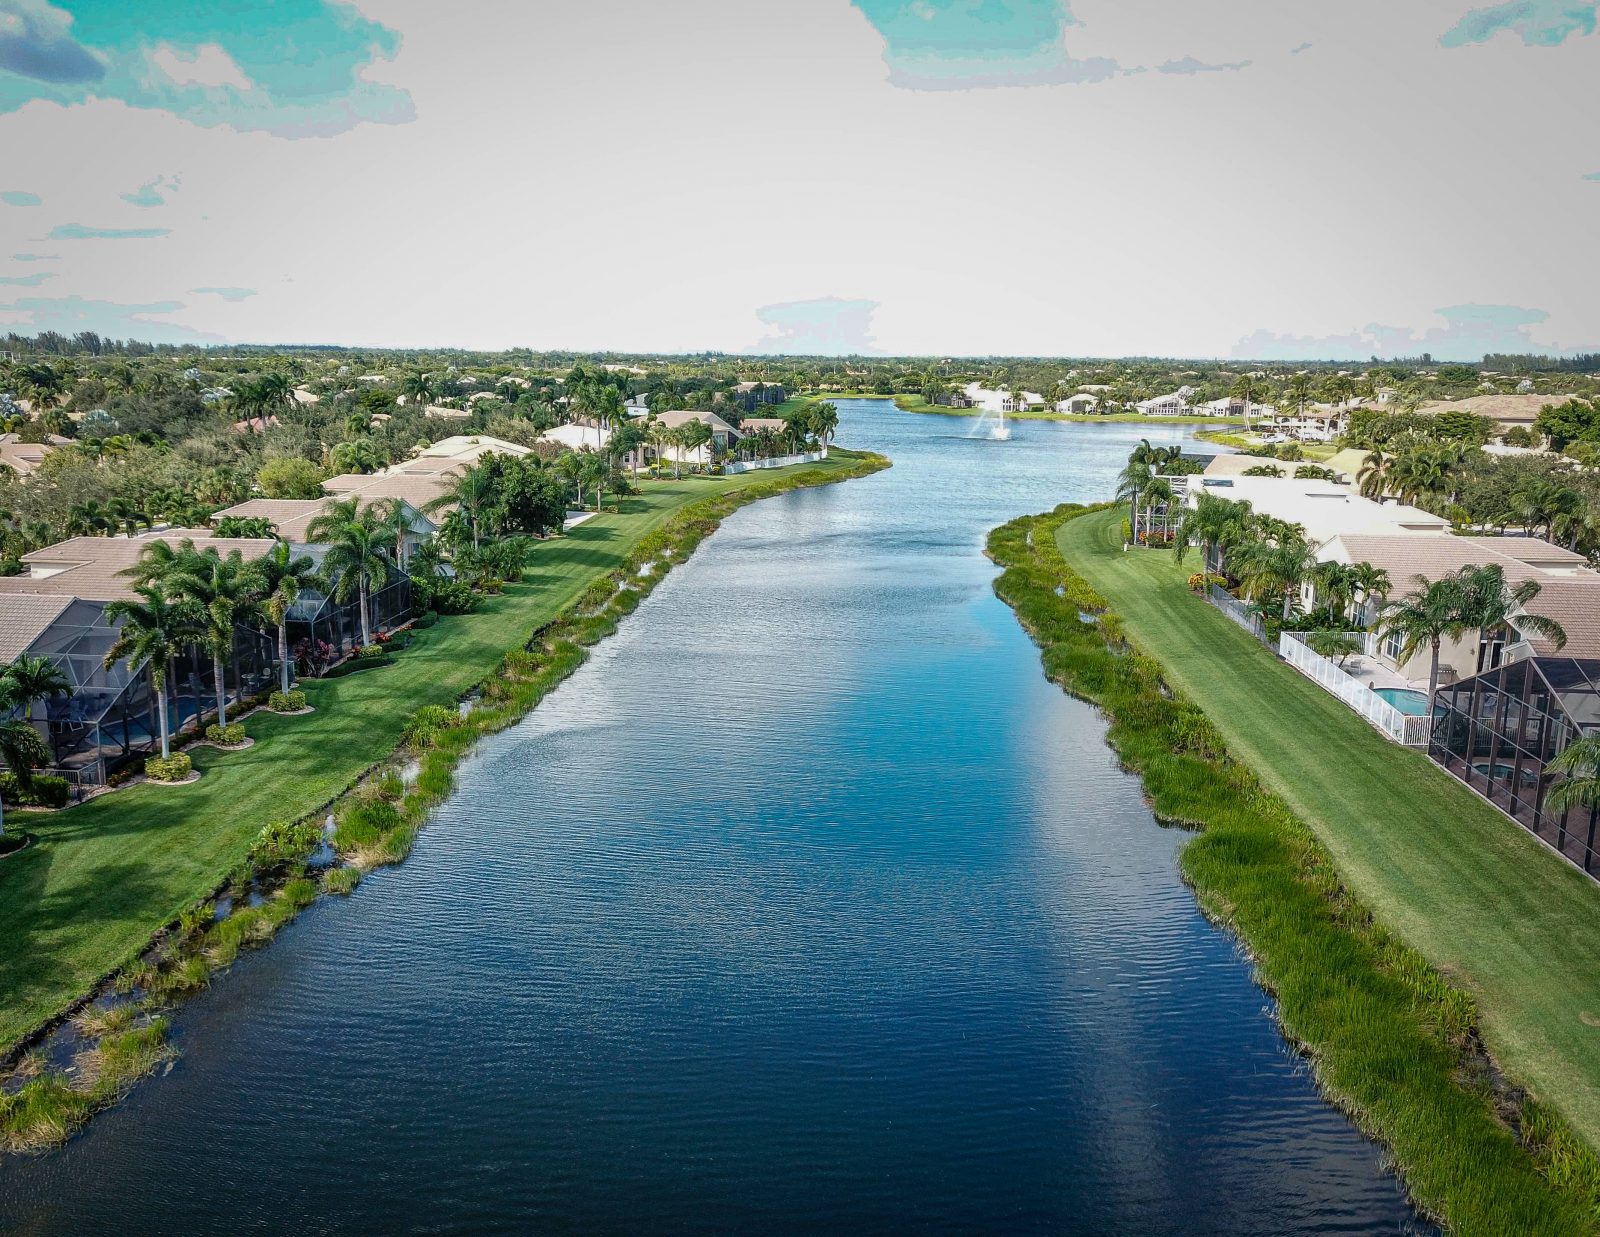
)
(1392, 644)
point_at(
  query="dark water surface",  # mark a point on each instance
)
(808, 904)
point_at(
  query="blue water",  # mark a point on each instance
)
(807, 904)
(1412, 703)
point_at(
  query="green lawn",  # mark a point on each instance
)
(1480, 898)
(104, 877)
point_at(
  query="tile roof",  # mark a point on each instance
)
(23, 619)
(1408, 555)
(1574, 602)
(92, 567)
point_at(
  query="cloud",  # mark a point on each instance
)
(36, 257)
(1189, 66)
(295, 68)
(1469, 333)
(1592, 176)
(227, 294)
(71, 314)
(1538, 23)
(148, 195)
(968, 44)
(36, 43)
(26, 281)
(80, 232)
(827, 326)
(1304, 47)
(20, 197)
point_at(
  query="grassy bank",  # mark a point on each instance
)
(1391, 1042)
(104, 877)
(1476, 894)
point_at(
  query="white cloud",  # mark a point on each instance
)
(207, 65)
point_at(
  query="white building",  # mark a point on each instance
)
(1174, 405)
(1078, 404)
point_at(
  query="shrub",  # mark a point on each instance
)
(46, 791)
(370, 650)
(287, 702)
(283, 843)
(341, 880)
(427, 721)
(358, 664)
(230, 735)
(454, 597)
(424, 621)
(175, 768)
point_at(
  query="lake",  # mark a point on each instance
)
(807, 903)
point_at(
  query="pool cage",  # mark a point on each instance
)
(1499, 730)
(322, 620)
(110, 716)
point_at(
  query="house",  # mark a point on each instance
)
(1079, 404)
(1505, 410)
(1315, 423)
(56, 609)
(756, 425)
(577, 435)
(291, 518)
(723, 435)
(991, 400)
(23, 458)
(751, 395)
(1173, 405)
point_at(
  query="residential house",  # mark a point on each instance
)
(1079, 404)
(1174, 405)
(752, 395)
(24, 458)
(723, 436)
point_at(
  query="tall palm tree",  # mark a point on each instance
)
(1131, 484)
(1491, 603)
(418, 388)
(1216, 523)
(1250, 389)
(153, 631)
(570, 467)
(1579, 766)
(29, 679)
(90, 519)
(473, 494)
(395, 519)
(1370, 477)
(283, 576)
(1369, 584)
(220, 587)
(126, 515)
(1427, 615)
(692, 435)
(595, 468)
(824, 421)
(354, 562)
(1157, 494)
(1275, 568)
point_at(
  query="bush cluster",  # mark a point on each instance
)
(173, 769)
(283, 843)
(291, 701)
(230, 735)
(370, 650)
(46, 791)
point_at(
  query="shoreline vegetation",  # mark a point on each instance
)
(1390, 1041)
(116, 1034)
(917, 403)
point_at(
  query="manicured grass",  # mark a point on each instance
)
(1474, 893)
(104, 877)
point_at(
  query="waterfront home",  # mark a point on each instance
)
(1174, 405)
(723, 435)
(1323, 509)
(1232, 406)
(292, 517)
(1079, 404)
(990, 400)
(757, 425)
(1316, 423)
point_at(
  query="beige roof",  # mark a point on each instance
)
(92, 567)
(1507, 409)
(22, 458)
(418, 489)
(1574, 602)
(1408, 555)
(674, 419)
(23, 619)
(1235, 465)
(754, 425)
(292, 517)
(1538, 552)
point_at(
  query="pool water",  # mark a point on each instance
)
(1408, 700)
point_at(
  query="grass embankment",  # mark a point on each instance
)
(1479, 896)
(1391, 1042)
(104, 878)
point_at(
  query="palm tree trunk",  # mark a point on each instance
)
(1433, 673)
(222, 687)
(1288, 602)
(366, 626)
(159, 682)
(283, 656)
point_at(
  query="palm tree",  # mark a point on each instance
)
(31, 679)
(1428, 614)
(1216, 523)
(1490, 603)
(127, 516)
(594, 469)
(418, 388)
(660, 439)
(354, 561)
(473, 494)
(154, 630)
(1274, 568)
(220, 589)
(283, 576)
(90, 519)
(395, 520)
(824, 421)
(693, 435)
(1130, 485)
(1157, 494)
(627, 442)
(1579, 765)
(570, 466)
(1370, 478)
(22, 747)
(1249, 388)
(1369, 583)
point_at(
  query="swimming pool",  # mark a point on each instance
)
(1408, 700)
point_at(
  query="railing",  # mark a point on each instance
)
(733, 467)
(1240, 612)
(1404, 728)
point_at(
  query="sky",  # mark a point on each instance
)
(1274, 179)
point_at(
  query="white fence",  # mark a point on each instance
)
(1413, 731)
(1240, 612)
(733, 467)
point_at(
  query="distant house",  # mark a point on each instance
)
(1078, 404)
(751, 395)
(723, 435)
(576, 435)
(1173, 405)
(23, 458)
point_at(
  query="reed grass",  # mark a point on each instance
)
(1388, 1038)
